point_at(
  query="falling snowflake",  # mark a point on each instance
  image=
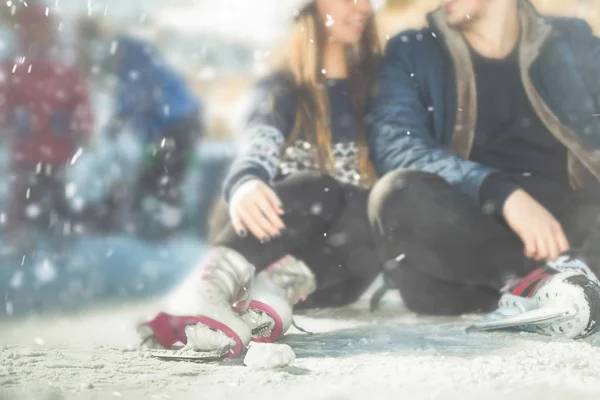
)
(70, 190)
(114, 45)
(316, 209)
(76, 156)
(9, 308)
(45, 271)
(78, 204)
(33, 211)
(17, 280)
(134, 75)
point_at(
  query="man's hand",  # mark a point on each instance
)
(255, 207)
(540, 232)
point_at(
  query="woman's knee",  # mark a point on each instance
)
(316, 192)
(307, 180)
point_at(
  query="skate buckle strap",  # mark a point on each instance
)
(527, 286)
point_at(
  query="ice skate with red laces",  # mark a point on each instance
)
(561, 299)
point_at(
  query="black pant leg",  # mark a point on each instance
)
(443, 253)
(345, 261)
(326, 227)
(428, 295)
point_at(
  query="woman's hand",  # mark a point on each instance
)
(255, 207)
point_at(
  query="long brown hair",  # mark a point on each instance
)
(302, 58)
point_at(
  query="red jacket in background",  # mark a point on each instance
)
(45, 111)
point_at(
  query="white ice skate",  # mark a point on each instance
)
(203, 313)
(562, 299)
(275, 292)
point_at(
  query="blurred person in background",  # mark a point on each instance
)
(488, 121)
(46, 117)
(8, 36)
(297, 193)
(155, 103)
(162, 110)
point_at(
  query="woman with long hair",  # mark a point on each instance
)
(297, 193)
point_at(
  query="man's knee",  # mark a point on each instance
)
(585, 217)
(403, 190)
(582, 224)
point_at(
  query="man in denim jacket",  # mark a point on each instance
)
(487, 124)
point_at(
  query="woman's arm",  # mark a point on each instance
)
(265, 129)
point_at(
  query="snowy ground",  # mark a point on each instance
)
(354, 354)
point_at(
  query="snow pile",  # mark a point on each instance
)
(269, 356)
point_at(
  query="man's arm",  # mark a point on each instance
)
(593, 68)
(400, 137)
(399, 129)
(585, 48)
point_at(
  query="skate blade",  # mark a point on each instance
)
(189, 355)
(499, 321)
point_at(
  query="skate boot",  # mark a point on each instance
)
(203, 313)
(561, 299)
(275, 292)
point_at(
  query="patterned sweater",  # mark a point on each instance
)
(270, 122)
